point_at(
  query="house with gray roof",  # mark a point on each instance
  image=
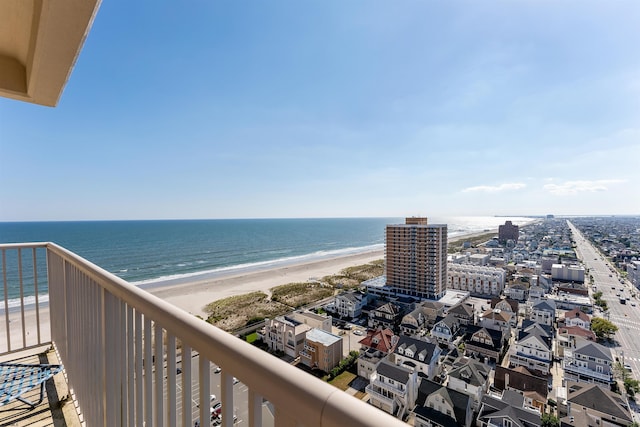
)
(470, 377)
(350, 304)
(464, 313)
(421, 318)
(446, 329)
(420, 354)
(589, 362)
(544, 311)
(440, 406)
(601, 406)
(387, 315)
(484, 343)
(507, 409)
(413, 323)
(532, 349)
(393, 388)
(517, 291)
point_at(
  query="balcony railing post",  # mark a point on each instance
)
(186, 386)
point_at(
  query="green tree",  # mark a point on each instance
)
(597, 295)
(602, 327)
(549, 420)
(631, 385)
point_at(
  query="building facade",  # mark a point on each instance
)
(322, 350)
(508, 231)
(416, 258)
(477, 280)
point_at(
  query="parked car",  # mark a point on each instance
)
(627, 367)
(217, 370)
(216, 410)
(358, 332)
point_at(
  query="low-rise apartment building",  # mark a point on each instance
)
(475, 279)
(322, 350)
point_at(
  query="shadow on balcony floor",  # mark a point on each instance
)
(56, 408)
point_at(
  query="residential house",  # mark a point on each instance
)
(414, 323)
(498, 320)
(285, 334)
(536, 293)
(567, 336)
(388, 315)
(532, 387)
(440, 406)
(420, 319)
(505, 304)
(483, 343)
(591, 404)
(419, 354)
(470, 377)
(578, 318)
(350, 304)
(322, 350)
(432, 310)
(446, 329)
(544, 311)
(373, 348)
(517, 291)
(507, 410)
(588, 362)
(464, 313)
(368, 362)
(383, 340)
(532, 348)
(393, 388)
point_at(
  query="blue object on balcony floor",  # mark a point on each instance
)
(17, 379)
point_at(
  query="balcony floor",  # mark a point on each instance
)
(56, 409)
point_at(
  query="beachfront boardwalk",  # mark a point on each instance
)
(56, 409)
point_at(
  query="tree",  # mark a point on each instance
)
(631, 386)
(549, 420)
(602, 327)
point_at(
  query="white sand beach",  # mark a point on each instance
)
(191, 296)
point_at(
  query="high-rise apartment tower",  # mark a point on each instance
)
(508, 231)
(416, 258)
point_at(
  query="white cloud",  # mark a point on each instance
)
(575, 187)
(495, 188)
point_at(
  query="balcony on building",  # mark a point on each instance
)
(132, 359)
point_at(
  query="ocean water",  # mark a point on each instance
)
(146, 251)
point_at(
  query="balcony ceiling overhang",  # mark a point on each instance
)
(39, 43)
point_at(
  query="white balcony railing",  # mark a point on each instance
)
(571, 368)
(120, 345)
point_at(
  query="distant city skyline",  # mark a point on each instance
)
(336, 109)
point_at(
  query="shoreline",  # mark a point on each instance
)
(193, 295)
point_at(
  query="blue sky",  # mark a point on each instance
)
(222, 109)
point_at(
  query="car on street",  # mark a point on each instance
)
(627, 367)
(235, 380)
(358, 332)
(216, 410)
(217, 370)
